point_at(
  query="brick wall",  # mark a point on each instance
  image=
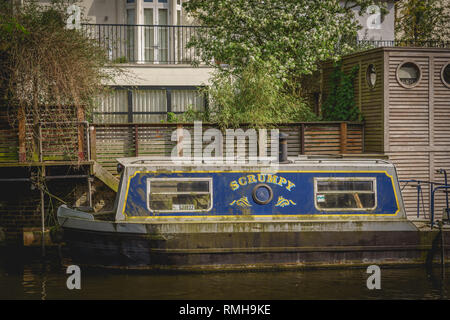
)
(20, 205)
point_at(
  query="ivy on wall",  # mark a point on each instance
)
(340, 104)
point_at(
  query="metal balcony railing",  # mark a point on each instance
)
(153, 44)
(167, 44)
(402, 43)
(433, 187)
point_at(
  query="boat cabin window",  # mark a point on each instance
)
(345, 194)
(179, 194)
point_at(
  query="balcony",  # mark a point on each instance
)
(149, 44)
(168, 44)
(401, 43)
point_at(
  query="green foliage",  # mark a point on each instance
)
(255, 97)
(44, 64)
(423, 20)
(190, 115)
(267, 52)
(340, 103)
(9, 26)
(171, 117)
(121, 59)
(290, 35)
(48, 73)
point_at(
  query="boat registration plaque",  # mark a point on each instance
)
(187, 207)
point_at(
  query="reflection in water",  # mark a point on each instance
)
(34, 279)
(38, 279)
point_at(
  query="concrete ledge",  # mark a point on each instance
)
(150, 75)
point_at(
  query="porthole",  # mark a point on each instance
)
(408, 74)
(262, 194)
(445, 75)
(371, 75)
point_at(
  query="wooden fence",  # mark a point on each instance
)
(111, 141)
(107, 142)
(26, 142)
(9, 140)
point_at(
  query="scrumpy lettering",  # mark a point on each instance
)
(261, 178)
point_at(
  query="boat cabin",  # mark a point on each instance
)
(153, 189)
(210, 216)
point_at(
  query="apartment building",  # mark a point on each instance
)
(148, 39)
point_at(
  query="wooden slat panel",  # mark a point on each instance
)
(119, 141)
(408, 108)
(413, 166)
(322, 139)
(441, 105)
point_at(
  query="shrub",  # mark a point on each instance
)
(340, 103)
(255, 97)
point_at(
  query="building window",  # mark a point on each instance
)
(345, 194)
(445, 75)
(112, 108)
(371, 75)
(179, 194)
(147, 104)
(408, 74)
(153, 34)
(130, 34)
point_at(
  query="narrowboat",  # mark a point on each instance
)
(306, 212)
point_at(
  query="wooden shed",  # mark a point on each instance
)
(404, 96)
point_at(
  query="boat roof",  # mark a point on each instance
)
(301, 160)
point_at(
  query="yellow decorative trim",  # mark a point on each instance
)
(282, 202)
(242, 202)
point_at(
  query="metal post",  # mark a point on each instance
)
(432, 207)
(442, 247)
(418, 199)
(40, 143)
(432, 202)
(283, 153)
(429, 202)
(446, 192)
(41, 184)
(89, 191)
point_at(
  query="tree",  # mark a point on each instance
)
(291, 35)
(47, 72)
(423, 20)
(282, 40)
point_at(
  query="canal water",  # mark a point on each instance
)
(45, 279)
